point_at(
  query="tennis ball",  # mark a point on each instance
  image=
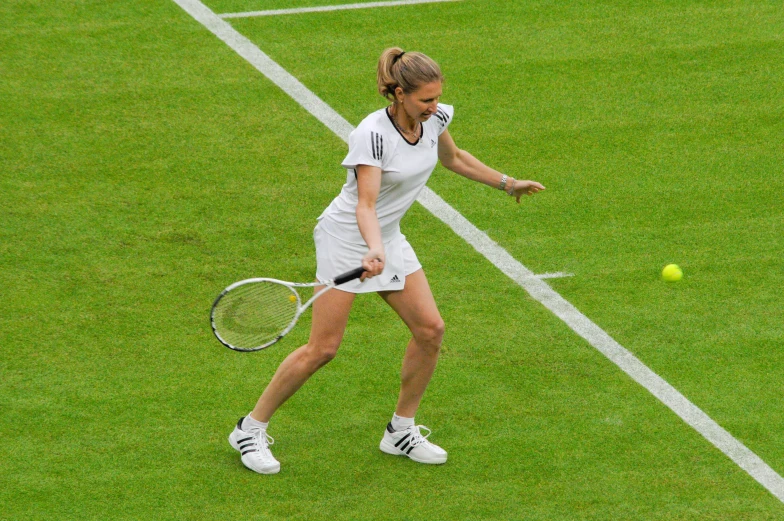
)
(672, 273)
(292, 298)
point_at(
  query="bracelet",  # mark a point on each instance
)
(502, 185)
(511, 190)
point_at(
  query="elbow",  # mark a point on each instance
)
(451, 162)
(364, 207)
(448, 164)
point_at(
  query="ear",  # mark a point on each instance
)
(399, 94)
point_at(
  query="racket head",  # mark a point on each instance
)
(253, 314)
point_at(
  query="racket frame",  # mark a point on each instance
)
(328, 285)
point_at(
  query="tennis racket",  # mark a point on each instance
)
(253, 314)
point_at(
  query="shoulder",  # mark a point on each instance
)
(442, 117)
(376, 122)
(445, 112)
(377, 132)
(373, 142)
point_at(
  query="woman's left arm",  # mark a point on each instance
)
(463, 163)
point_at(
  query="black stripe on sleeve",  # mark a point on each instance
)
(381, 143)
(443, 116)
(373, 144)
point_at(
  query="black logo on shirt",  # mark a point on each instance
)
(394, 279)
(432, 143)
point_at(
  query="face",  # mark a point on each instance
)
(422, 103)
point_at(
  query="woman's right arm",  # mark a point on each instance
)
(368, 187)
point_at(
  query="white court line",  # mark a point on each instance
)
(274, 12)
(538, 289)
(556, 275)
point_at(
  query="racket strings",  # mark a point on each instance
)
(254, 314)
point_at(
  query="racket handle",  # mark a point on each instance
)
(349, 275)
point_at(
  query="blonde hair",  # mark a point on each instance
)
(407, 70)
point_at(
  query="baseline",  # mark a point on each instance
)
(319, 9)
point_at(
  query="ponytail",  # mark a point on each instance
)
(407, 70)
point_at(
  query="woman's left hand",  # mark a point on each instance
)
(522, 188)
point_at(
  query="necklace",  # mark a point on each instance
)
(413, 133)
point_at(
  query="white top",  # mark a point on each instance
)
(405, 168)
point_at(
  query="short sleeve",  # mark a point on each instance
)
(365, 147)
(443, 117)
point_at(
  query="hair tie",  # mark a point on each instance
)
(394, 61)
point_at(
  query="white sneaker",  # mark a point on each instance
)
(411, 443)
(253, 446)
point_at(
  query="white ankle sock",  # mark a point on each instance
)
(249, 423)
(400, 423)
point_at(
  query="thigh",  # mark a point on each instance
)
(414, 303)
(330, 316)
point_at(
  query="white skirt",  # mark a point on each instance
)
(335, 256)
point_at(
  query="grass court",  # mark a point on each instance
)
(146, 166)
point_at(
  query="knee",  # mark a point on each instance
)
(322, 352)
(431, 334)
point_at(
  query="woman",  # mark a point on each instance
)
(391, 155)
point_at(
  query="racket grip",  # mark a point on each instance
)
(349, 275)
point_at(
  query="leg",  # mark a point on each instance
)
(416, 306)
(330, 315)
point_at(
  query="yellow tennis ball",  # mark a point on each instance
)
(292, 298)
(672, 273)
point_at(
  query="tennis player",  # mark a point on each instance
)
(391, 155)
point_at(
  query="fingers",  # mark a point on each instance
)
(528, 188)
(373, 266)
(532, 187)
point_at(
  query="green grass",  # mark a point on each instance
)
(146, 166)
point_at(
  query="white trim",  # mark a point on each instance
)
(538, 289)
(323, 8)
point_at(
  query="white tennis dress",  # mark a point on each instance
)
(405, 169)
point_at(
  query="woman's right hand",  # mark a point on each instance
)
(373, 262)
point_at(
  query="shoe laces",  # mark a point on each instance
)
(416, 435)
(261, 439)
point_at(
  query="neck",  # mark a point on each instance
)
(403, 120)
